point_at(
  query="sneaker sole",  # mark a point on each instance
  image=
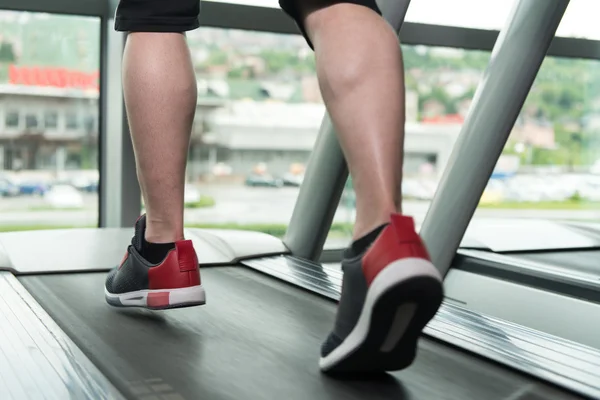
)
(159, 299)
(400, 302)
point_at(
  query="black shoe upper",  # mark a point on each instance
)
(132, 275)
(354, 292)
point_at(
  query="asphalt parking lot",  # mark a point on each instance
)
(240, 205)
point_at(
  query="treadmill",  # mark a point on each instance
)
(510, 326)
(259, 335)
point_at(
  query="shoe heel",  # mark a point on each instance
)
(398, 241)
(179, 269)
(175, 298)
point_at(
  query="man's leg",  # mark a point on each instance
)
(160, 268)
(390, 289)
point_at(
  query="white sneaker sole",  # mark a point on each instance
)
(400, 302)
(158, 299)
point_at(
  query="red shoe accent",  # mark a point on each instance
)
(123, 260)
(160, 299)
(180, 269)
(398, 240)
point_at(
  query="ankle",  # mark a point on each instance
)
(160, 232)
(366, 223)
(361, 244)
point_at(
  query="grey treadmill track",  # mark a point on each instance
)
(257, 338)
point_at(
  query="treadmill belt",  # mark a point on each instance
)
(257, 338)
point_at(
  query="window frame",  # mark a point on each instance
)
(120, 177)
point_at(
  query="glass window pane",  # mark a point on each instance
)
(49, 67)
(549, 167)
(12, 119)
(259, 112)
(72, 120)
(51, 119)
(31, 121)
(479, 14)
(579, 21)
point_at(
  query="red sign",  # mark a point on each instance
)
(444, 119)
(53, 77)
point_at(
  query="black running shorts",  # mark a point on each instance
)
(292, 9)
(182, 15)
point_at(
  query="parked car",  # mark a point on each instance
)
(85, 184)
(263, 180)
(33, 188)
(294, 180)
(63, 196)
(8, 188)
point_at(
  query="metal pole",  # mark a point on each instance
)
(120, 196)
(326, 175)
(514, 64)
(319, 195)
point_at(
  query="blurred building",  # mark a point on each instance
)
(55, 128)
(245, 133)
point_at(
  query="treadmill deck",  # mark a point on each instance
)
(257, 338)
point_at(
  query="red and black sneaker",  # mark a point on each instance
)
(172, 283)
(389, 294)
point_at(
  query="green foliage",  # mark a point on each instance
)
(278, 61)
(217, 57)
(439, 94)
(7, 54)
(204, 202)
(576, 198)
(541, 156)
(3, 73)
(277, 230)
(56, 41)
(575, 203)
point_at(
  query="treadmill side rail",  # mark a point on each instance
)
(565, 363)
(514, 63)
(36, 356)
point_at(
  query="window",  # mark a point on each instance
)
(550, 165)
(489, 14)
(440, 83)
(49, 172)
(12, 119)
(578, 20)
(51, 120)
(259, 112)
(72, 120)
(31, 121)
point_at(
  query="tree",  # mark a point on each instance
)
(440, 95)
(217, 57)
(7, 53)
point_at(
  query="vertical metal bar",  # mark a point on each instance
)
(319, 195)
(326, 175)
(102, 121)
(514, 64)
(120, 198)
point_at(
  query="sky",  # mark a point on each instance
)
(580, 19)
